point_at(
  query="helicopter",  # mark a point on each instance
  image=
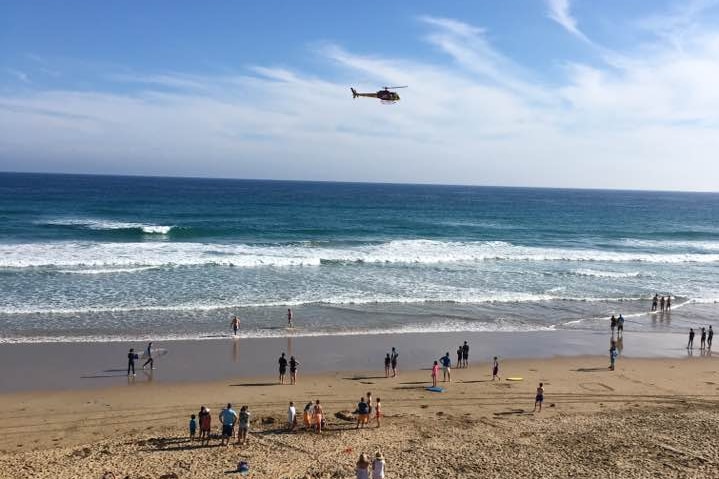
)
(385, 95)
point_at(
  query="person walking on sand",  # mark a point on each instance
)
(378, 466)
(131, 357)
(235, 324)
(539, 398)
(378, 411)
(393, 360)
(435, 373)
(319, 416)
(228, 418)
(710, 336)
(363, 465)
(495, 369)
(690, 345)
(293, 370)
(446, 368)
(244, 425)
(655, 301)
(289, 318)
(612, 356)
(283, 367)
(459, 357)
(148, 354)
(703, 343)
(465, 355)
(387, 362)
(291, 417)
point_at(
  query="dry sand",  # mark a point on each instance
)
(649, 418)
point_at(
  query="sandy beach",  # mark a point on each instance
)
(649, 418)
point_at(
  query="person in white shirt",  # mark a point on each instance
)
(291, 417)
(378, 466)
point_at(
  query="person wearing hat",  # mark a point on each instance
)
(378, 466)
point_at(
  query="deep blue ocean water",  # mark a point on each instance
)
(86, 258)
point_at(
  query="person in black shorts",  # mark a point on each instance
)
(710, 337)
(465, 355)
(283, 368)
(459, 357)
(293, 370)
(393, 360)
(131, 357)
(387, 363)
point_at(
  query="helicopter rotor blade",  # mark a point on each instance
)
(394, 87)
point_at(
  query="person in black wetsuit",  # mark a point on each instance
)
(148, 353)
(459, 357)
(465, 355)
(387, 362)
(283, 368)
(131, 357)
(690, 345)
(293, 370)
(393, 360)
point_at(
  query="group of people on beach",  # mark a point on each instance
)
(706, 339)
(664, 303)
(235, 322)
(228, 418)
(293, 364)
(132, 356)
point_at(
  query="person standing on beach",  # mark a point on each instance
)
(228, 418)
(244, 425)
(446, 368)
(378, 466)
(293, 370)
(291, 417)
(193, 426)
(669, 303)
(205, 424)
(235, 323)
(363, 464)
(465, 355)
(459, 357)
(661, 304)
(393, 359)
(148, 353)
(362, 413)
(378, 411)
(319, 416)
(539, 398)
(655, 301)
(710, 337)
(307, 415)
(289, 318)
(613, 324)
(620, 325)
(387, 362)
(690, 345)
(495, 369)
(703, 343)
(283, 368)
(131, 357)
(435, 373)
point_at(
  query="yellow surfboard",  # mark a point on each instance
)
(515, 379)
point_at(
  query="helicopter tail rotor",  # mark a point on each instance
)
(354, 93)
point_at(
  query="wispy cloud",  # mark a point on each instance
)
(20, 75)
(560, 12)
(476, 116)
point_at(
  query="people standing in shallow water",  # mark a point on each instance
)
(613, 324)
(690, 345)
(620, 325)
(655, 301)
(294, 364)
(661, 304)
(710, 337)
(289, 319)
(669, 303)
(465, 355)
(283, 367)
(703, 339)
(235, 323)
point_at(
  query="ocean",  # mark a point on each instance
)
(110, 258)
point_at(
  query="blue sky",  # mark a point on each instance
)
(618, 94)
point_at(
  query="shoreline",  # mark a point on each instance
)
(69, 366)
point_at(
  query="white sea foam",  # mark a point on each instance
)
(606, 274)
(100, 224)
(107, 255)
(701, 245)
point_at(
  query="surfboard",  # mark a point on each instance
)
(435, 389)
(156, 353)
(514, 379)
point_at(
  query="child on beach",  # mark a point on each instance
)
(539, 398)
(193, 427)
(319, 417)
(495, 369)
(612, 356)
(244, 427)
(205, 424)
(378, 411)
(378, 466)
(435, 372)
(363, 467)
(291, 417)
(387, 361)
(307, 415)
(369, 404)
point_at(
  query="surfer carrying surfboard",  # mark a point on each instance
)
(148, 355)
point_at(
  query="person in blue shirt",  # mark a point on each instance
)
(228, 418)
(446, 368)
(193, 427)
(612, 356)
